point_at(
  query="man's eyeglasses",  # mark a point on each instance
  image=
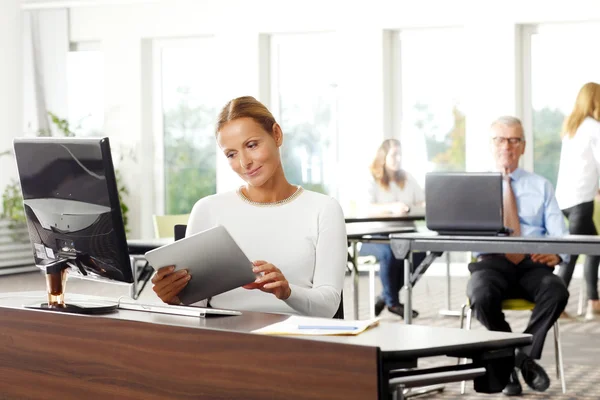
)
(499, 140)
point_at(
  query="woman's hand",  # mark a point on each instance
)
(271, 281)
(402, 208)
(168, 284)
(549, 259)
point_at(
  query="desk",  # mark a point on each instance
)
(375, 229)
(370, 232)
(415, 214)
(404, 244)
(134, 355)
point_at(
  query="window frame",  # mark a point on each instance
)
(158, 45)
(275, 40)
(396, 75)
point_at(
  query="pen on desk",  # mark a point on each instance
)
(327, 327)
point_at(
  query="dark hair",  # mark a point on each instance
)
(378, 169)
(246, 107)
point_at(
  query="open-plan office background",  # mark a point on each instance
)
(339, 77)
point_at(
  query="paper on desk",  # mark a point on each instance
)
(317, 326)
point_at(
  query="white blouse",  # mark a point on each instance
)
(411, 194)
(579, 168)
(305, 238)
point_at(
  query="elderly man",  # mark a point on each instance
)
(530, 209)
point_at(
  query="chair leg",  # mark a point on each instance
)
(469, 319)
(462, 322)
(398, 393)
(462, 315)
(581, 299)
(463, 384)
(560, 371)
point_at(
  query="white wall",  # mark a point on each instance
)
(493, 38)
(10, 83)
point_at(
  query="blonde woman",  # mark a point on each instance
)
(578, 176)
(392, 191)
(296, 237)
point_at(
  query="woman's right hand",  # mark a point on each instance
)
(402, 208)
(168, 284)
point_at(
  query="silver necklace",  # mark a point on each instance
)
(297, 193)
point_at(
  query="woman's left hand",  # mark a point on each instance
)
(271, 281)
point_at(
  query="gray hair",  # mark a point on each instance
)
(508, 120)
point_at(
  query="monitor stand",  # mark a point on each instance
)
(56, 279)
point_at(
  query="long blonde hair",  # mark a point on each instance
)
(586, 105)
(378, 170)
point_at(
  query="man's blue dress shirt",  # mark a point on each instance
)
(538, 209)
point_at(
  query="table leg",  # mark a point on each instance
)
(449, 311)
(371, 291)
(407, 289)
(355, 278)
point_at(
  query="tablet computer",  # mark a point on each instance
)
(213, 259)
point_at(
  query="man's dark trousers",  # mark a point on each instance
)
(494, 279)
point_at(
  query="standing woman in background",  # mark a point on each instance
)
(577, 185)
(392, 191)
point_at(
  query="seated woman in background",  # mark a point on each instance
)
(577, 183)
(297, 237)
(392, 191)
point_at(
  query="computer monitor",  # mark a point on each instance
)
(73, 214)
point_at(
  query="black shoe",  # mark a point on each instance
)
(533, 374)
(513, 388)
(379, 306)
(399, 310)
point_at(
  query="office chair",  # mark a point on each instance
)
(163, 224)
(179, 231)
(520, 305)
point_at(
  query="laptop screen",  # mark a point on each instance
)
(464, 201)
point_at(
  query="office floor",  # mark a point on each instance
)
(581, 340)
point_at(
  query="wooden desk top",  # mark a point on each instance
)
(133, 354)
(398, 340)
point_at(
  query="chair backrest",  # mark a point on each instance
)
(339, 314)
(179, 231)
(163, 224)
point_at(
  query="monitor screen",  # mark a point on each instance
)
(72, 206)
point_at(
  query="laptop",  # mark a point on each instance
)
(464, 203)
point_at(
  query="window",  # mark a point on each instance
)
(561, 62)
(429, 68)
(305, 99)
(85, 89)
(191, 98)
